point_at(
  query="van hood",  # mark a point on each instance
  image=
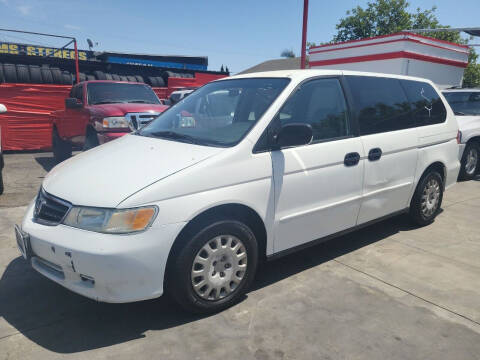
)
(108, 174)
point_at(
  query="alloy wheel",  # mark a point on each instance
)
(430, 198)
(471, 161)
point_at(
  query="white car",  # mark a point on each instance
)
(190, 203)
(178, 95)
(466, 105)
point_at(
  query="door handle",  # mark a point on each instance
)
(374, 154)
(351, 159)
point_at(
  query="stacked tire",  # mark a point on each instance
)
(45, 74)
(34, 74)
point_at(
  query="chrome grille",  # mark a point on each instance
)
(137, 120)
(50, 210)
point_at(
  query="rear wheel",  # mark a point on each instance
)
(62, 149)
(214, 268)
(427, 199)
(470, 161)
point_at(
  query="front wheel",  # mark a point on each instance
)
(427, 199)
(469, 164)
(91, 140)
(214, 268)
(1, 181)
(62, 150)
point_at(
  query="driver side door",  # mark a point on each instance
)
(75, 120)
(318, 187)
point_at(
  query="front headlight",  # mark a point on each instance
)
(112, 221)
(115, 122)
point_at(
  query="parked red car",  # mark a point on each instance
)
(100, 111)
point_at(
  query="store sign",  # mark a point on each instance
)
(156, 63)
(35, 50)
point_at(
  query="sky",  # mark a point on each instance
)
(238, 34)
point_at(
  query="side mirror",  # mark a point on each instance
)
(72, 103)
(294, 134)
(3, 109)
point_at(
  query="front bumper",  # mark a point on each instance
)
(104, 137)
(103, 267)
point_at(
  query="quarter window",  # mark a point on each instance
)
(321, 104)
(427, 107)
(381, 104)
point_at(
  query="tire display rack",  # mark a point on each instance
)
(47, 74)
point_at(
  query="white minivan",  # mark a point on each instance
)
(244, 169)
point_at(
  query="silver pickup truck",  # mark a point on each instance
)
(466, 106)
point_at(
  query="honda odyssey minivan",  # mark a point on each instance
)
(244, 169)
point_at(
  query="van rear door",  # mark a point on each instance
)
(390, 141)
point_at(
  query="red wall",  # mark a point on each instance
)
(26, 125)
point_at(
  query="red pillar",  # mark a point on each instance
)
(304, 34)
(76, 60)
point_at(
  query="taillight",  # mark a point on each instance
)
(459, 137)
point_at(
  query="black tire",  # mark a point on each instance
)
(82, 77)
(35, 74)
(62, 150)
(152, 80)
(139, 79)
(179, 278)
(67, 78)
(91, 140)
(57, 75)
(108, 76)
(420, 210)
(90, 77)
(47, 76)
(472, 149)
(160, 82)
(131, 78)
(10, 73)
(2, 77)
(23, 75)
(99, 75)
(1, 182)
(115, 77)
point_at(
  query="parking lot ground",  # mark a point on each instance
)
(389, 291)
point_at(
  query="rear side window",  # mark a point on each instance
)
(427, 107)
(381, 104)
(321, 104)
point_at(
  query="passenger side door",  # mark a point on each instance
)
(390, 139)
(318, 186)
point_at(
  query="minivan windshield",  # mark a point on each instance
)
(464, 102)
(220, 113)
(113, 93)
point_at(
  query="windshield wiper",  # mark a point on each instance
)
(174, 135)
(107, 102)
(459, 113)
